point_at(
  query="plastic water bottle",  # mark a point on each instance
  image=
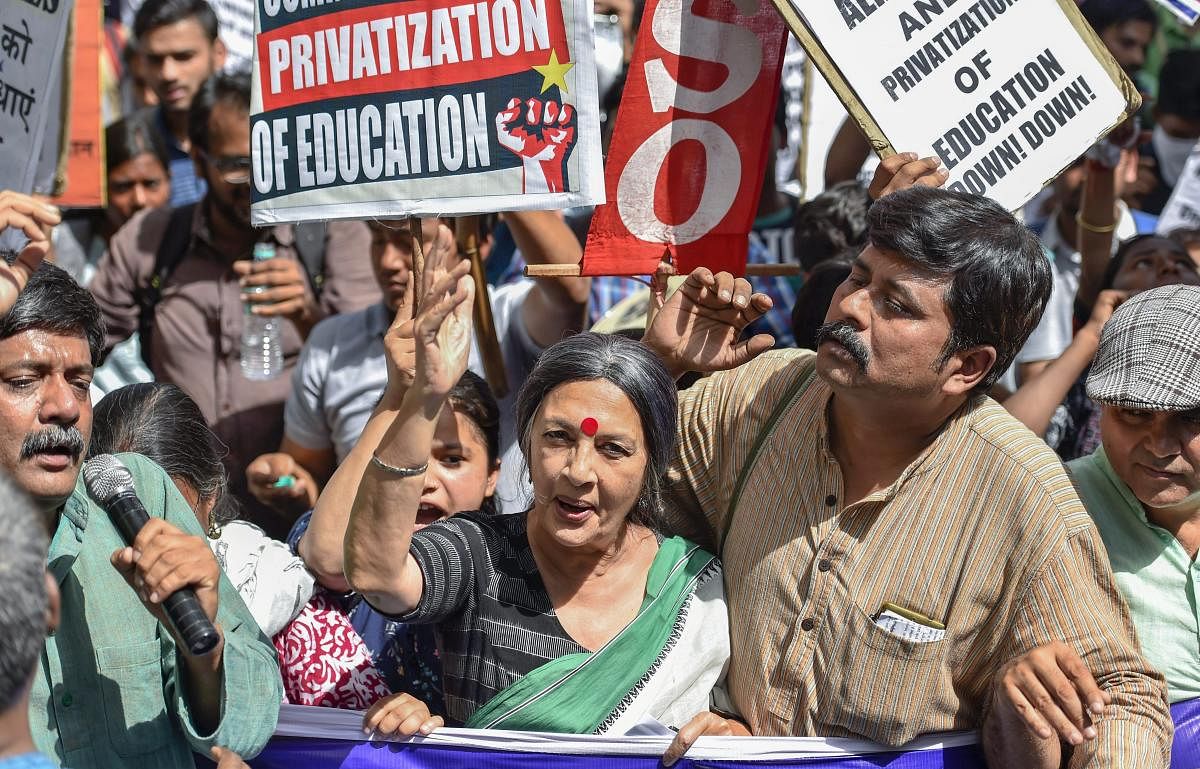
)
(262, 346)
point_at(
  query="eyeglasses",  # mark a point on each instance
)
(232, 170)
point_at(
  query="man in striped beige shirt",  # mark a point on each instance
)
(902, 556)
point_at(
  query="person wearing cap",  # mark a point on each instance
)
(1142, 486)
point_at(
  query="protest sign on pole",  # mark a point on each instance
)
(1183, 207)
(85, 176)
(1006, 92)
(1188, 11)
(380, 108)
(32, 34)
(688, 153)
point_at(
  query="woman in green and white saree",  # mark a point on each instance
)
(576, 615)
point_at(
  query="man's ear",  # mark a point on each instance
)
(967, 368)
(220, 52)
(53, 603)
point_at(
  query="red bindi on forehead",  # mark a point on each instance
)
(589, 426)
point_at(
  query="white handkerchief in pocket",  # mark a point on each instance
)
(905, 628)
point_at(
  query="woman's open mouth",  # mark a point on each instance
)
(573, 510)
(428, 513)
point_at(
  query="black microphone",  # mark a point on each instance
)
(111, 484)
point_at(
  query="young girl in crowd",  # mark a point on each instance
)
(463, 465)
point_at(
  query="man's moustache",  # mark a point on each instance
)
(55, 438)
(843, 333)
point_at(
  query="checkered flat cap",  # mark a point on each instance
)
(1149, 356)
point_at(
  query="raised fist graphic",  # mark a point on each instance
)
(541, 134)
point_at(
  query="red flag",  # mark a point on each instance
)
(689, 150)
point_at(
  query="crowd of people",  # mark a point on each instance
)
(946, 479)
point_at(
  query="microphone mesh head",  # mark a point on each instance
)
(106, 476)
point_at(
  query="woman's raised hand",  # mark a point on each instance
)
(401, 347)
(440, 255)
(442, 333)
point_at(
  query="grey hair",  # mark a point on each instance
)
(160, 421)
(23, 545)
(633, 368)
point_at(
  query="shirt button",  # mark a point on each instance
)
(831, 500)
(66, 700)
(824, 565)
(808, 624)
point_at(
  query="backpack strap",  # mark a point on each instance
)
(310, 248)
(171, 250)
(793, 391)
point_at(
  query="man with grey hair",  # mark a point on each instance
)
(1142, 486)
(115, 688)
(29, 610)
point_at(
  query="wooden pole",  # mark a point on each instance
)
(418, 262)
(466, 231)
(805, 124)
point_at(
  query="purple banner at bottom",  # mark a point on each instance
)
(337, 746)
(301, 753)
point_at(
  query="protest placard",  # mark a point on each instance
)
(689, 150)
(377, 108)
(1006, 92)
(1188, 11)
(32, 34)
(85, 176)
(1183, 207)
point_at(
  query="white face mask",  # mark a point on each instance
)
(1172, 154)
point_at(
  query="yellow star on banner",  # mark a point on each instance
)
(554, 72)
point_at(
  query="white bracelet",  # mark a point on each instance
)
(403, 472)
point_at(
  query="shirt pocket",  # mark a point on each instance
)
(881, 686)
(131, 687)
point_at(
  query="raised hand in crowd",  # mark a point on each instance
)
(322, 545)
(904, 170)
(35, 220)
(698, 328)
(161, 561)
(279, 288)
(1035, 401)
(442, 338)
(401, 715)
(1042, 699)
(310, 469)
(1098, 218)
(383, 514)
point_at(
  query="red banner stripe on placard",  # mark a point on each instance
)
(689, 150)
(443, 42)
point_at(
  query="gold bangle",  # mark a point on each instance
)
(403, 472)
(1099, 230)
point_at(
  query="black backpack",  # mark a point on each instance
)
(310, 247)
